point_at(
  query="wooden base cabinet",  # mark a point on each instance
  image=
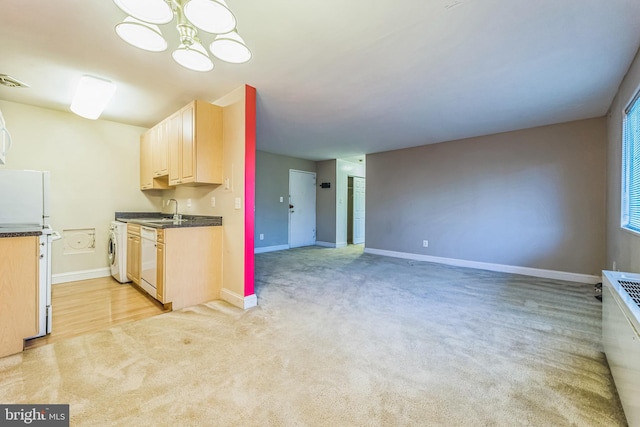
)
(189, 266)
(133, 253)
(18, 292)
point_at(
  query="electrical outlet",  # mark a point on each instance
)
(614, 268)
(425, 243)
(188, 203)
(238, 203)
(281, 199)
(213, 201)
(261, 236)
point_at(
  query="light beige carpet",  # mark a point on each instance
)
(342, 338)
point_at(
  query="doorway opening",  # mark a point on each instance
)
(355, 210)
(302, 208)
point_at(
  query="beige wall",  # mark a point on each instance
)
(94, 172)
(531, 198)
(623, 247)
(200, 196)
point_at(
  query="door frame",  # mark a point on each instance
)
(289, 201)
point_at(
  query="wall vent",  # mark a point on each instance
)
(632, 288)
(8, 81)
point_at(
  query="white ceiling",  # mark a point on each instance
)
(340, 78)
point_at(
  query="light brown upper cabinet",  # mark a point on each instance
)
(148, 179)
(195, 144)
(160, 149)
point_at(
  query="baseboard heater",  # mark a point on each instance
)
(621, 337)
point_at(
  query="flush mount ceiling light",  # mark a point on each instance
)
(212, 16)
(92, 96)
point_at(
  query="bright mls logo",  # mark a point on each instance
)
(34, 415)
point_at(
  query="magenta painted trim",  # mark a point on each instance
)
(249, 188)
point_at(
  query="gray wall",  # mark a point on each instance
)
(530, 198)
(623, 247)
(272, 182)
(326, 201)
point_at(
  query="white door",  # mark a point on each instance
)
(358, 209)
(302, 208)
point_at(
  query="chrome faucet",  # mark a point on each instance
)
(176, 215)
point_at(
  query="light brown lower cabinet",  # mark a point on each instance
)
(188, 263)
(192, 266)
(133, 253)
(18, 292)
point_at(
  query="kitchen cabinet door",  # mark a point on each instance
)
(195, 144)
(175, 148)
(188, 145)
(160, 149)
(150, 179)
(146, 176)
(133, 253)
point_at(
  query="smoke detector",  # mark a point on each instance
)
(8, 81)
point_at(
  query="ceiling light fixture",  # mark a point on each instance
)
(141, 34)
(92, 96)
(141, 30)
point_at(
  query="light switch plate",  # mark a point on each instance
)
(281, 199)
(213, 202)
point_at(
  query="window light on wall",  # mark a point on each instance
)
(630, 212)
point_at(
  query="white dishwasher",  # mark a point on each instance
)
(149, 273)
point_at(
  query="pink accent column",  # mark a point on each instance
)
(249, 188)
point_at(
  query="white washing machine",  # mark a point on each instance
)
(118, 251)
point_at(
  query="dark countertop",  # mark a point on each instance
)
(18, 230)
(160, 220)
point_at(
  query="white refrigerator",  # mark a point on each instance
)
(24, 205)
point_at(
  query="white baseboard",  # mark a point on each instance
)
(325, 244)
(74, 276)
(342, 245)
(527, 271)
(238, 300)
(270, 249)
